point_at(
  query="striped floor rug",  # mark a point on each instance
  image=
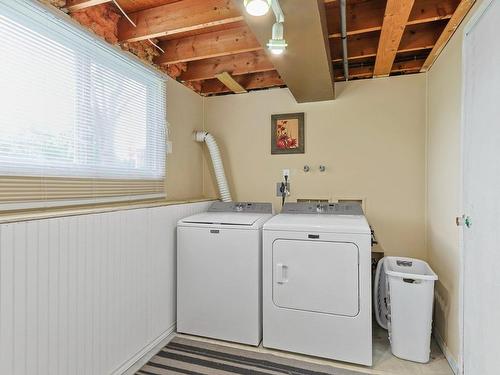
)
(184, 356)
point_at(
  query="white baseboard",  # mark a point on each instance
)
(449, 357)
(140, 359)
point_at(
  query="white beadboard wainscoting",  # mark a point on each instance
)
(87, 294)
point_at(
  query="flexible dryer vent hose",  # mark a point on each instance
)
(202, 136)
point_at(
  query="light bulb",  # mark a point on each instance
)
(277, 46)
(257, 7)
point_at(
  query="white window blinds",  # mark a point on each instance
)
(79, 119)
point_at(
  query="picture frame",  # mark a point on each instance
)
(287, 133)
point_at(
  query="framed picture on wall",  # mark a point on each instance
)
(287, 133)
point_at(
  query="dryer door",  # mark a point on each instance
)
(316, 276)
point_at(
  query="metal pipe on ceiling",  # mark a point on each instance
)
(343, 36)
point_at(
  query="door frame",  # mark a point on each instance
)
(469, 26)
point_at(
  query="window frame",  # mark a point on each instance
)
(50, 19)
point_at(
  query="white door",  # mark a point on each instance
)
(481, 241)
(316, 276)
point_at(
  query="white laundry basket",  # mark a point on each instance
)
(403, 297)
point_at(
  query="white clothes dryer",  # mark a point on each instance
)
(317, 282)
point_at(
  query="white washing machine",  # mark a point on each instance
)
(317, 282)
(219, 272)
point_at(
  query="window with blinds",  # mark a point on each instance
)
(80, 121)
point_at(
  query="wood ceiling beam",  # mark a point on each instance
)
(378, 28)
(357, 72)
(431, 10)
(131, 6)
(410, 66)
(242, 63)
(419, 37)
(357, 57)
(76, 5)
(208, 45)
(249, 82)
(415, 38)
(414, 49)
(419, 21)
(397, 13)
(455, 21)
(358, 46)
(178, 17)
(360, 17)
(227, 80)
(368, 16)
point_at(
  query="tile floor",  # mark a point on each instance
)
(384, 363)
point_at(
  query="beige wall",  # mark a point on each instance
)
(444, 181)
(185, 164)
(371, 139)
(374, 142)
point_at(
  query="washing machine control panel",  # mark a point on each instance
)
(253, 207)
(323, 208)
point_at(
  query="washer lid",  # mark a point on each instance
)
(224, 218)
(350, 224)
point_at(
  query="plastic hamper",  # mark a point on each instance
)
(404, 297)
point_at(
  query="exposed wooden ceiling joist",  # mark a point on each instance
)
(249, 82)
(419, 37)
(203, 46)
(358, 46)
(126, 5)
(243, 63)
(207, 37)
(360, 17)
(76, 5)
(176, 18)
(462, 10)
(415, 38)
(407, 66)
(227, 80)
(205, 30)
(131, 6)
(396, 17)
(355, 72)
(431, 10)
(429, 26)
(368, 16)
(366, 71)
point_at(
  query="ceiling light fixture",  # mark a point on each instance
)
(277, 44)
(257, 7)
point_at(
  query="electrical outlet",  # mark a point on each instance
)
(286, 172)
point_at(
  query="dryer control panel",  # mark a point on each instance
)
(253, 207)
(323, 208)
